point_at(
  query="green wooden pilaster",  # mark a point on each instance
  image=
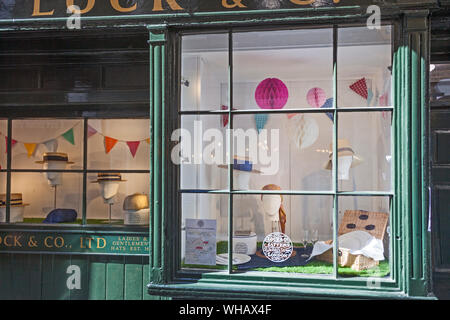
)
(157, 44)
(411, 120)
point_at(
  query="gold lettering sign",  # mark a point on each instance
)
(37, 10)
(236, 3)
(116, 5)
(157, 5)
(303, 2)
(88, 8)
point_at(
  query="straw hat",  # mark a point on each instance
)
(15, 201)
(55, 156)
(241, 164)
(344, 149)
(136, 201)
(103, 177)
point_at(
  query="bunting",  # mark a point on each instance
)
(13, 142)
(109, 143)
(31, 148)
(52, 144)
(68, 135)
(133, 145)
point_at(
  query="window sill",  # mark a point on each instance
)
(224, 290)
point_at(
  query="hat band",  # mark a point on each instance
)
(55, 158)
(343, 149)
(242, 165)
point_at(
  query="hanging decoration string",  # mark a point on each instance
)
(68, 135)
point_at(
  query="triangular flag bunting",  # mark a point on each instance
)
(91, 131)
(260, 120)
(109, 143)
(51, 145)
(133, 145)
(290, 115)
(360, 87)
(13, 142)
(31, 147)
(147, 140)
(68, 135)
(329, 104)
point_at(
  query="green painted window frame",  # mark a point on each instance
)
(410, 258)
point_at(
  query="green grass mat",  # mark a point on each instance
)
(313, 267)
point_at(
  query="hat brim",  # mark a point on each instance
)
(222, 166)
(16, 205)
(97, 181)
(42, 161)
(357, 160)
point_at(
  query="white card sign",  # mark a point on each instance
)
(200, 242)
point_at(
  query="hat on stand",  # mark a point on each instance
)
(15, 201)
(344, 149)
(136, 201)
(241, 164)
(55, 156)
(103, 177)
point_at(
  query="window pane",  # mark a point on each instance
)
(3, 137)
(202, 152)
(57, 196)
(3, 197)
(33, 138)
(364, 67)
(290, 151)
(440, 83)
(204, 230)
(364, 225)
(118, 144)
(296, 64)
(364, 151)
(306, 220)
(204, 75)
(118, 198)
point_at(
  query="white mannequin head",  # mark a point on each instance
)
(109, 189)
(344, 164)
(271, 204)
(241, 179)
(54, 178)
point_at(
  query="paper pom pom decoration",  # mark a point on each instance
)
(316, 97)
(360, 87)
(329, 104)
(260, 120)
(304, 131)
(271, 93)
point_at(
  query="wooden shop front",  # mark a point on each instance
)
(119, 181)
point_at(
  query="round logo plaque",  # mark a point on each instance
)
(277, 247)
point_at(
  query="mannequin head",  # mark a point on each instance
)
(108, 189)
(241, 179)
(344, 164)
(54, 161)
(54, 178)
(273, 204)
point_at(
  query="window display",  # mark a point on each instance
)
(299, 102)
(58, 175)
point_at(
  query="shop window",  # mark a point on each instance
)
(75, 171)
(297, 102)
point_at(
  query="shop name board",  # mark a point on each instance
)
(32, 241)
(23, 9)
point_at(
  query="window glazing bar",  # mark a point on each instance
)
(230, 150)
(335, 158)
